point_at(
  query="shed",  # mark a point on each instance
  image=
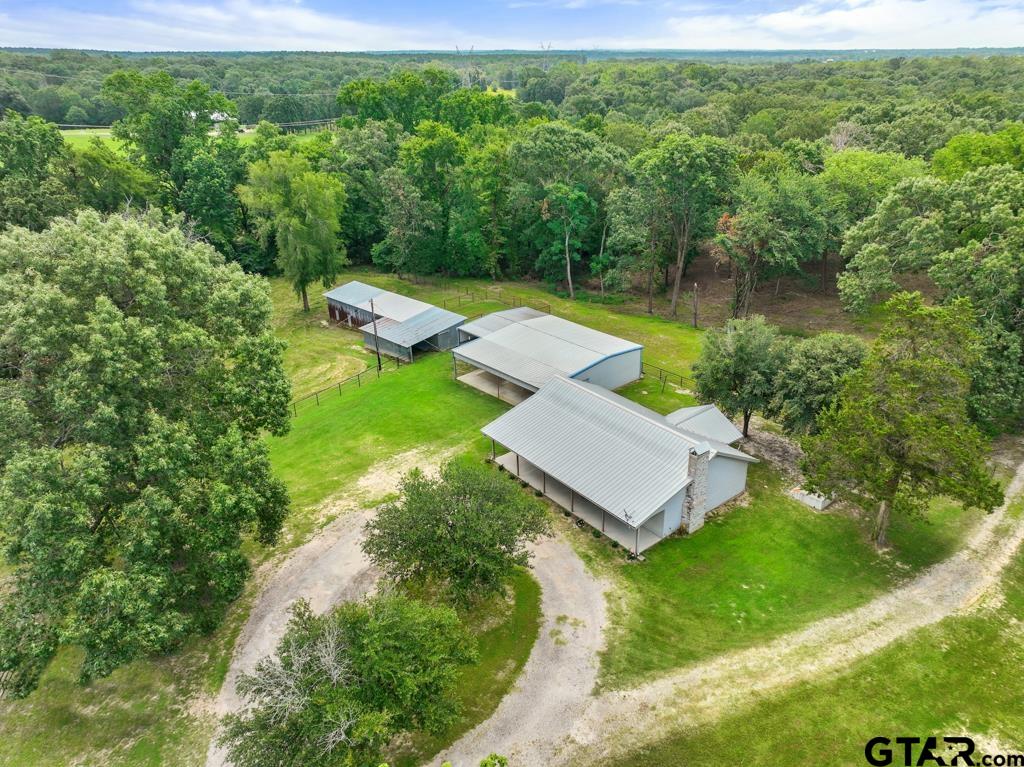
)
(516, 351)
(620, 467)
(397, 325)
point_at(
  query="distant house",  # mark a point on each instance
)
(398, 325)
(516, 351)
(629, 472)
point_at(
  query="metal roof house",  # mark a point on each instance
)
(516, 351)
(622, 468)
(397, 324)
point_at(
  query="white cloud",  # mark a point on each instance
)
(224, 25)
(857, 24)
(688, 24)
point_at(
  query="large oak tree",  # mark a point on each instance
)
(138, 372)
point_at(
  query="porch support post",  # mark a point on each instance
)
(572, 500)
(603, 515)
(636, 546)
(455, 371)
(544, 482)
(517, 464)
(492, 446)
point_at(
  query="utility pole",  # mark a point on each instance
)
(376, 341)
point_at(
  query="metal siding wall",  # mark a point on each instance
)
(727, 478)
(615, 371)
(386, 347)
(674, 513)
(446, 339)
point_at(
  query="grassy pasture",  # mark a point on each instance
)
(958, 677)
(765, 568)
(79, 138)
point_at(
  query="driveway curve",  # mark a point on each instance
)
(616, 722)
(329, 569)
(552, 716)
(556, 684)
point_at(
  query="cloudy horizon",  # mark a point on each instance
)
(529, 25)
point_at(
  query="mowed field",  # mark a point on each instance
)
(767, 566)
(959, 677)
(77, 138)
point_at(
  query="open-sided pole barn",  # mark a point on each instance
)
(391, 323)
(515, 352)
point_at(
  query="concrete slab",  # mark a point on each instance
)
(491, 384)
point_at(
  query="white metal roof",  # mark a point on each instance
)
(699, 441)
(395, 306)
(419, 327)
(487, 324)
(707, 420)
(353, 293)
(534, 349)
(402, 320)
(623, 458)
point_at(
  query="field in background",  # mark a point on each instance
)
(78, 138)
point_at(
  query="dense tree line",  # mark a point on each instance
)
(888, 426)
(604, 176)
(903, 98)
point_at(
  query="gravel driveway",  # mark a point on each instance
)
(555, 686)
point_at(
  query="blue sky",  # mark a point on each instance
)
(142, 25)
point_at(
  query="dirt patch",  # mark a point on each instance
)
(385, 476)
(781, 451)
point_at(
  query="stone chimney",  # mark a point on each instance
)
(697, 492)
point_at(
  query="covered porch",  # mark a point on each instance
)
(634, 539)
(495, 386)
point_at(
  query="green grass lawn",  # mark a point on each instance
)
(333, 444)
(316, 356)
(504, 648)
(958, 677)
(760, 570)
(672, 344)
(151, 713)
(79, 138)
